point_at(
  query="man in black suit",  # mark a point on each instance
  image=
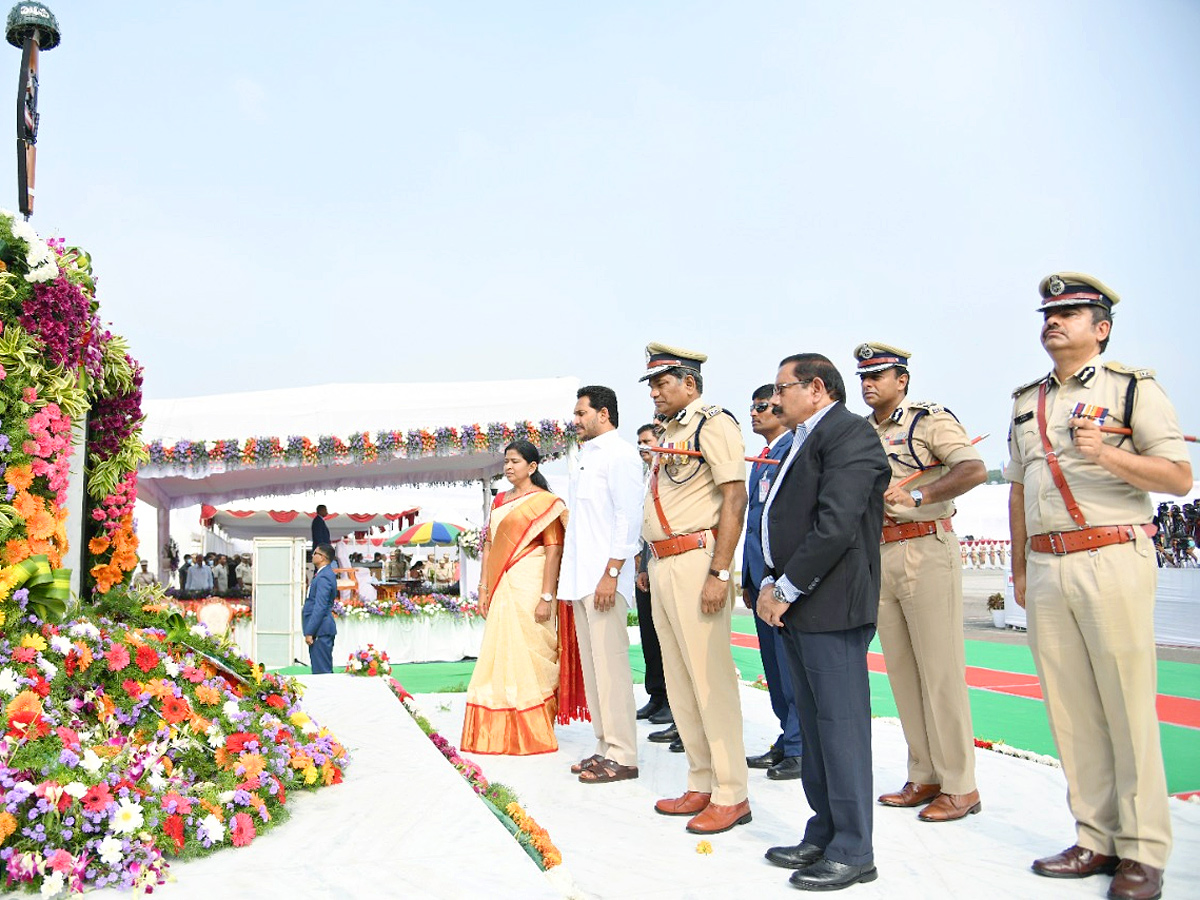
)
(820, 535)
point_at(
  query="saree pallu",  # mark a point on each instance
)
(511, 701)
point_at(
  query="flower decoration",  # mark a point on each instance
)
(369, 662)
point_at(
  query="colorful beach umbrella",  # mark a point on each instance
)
(426, 534)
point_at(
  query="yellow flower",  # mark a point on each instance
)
(310, 775)
(704, 847)
(1, 617)
(34, 640)
(298, 719)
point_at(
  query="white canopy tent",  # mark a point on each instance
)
(433, 432)
(252, 523)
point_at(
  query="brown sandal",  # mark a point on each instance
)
(605, 770)
(584, 764)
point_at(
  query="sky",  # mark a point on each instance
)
(290, 194)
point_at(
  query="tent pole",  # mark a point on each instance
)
(164, 537)
(487, 500)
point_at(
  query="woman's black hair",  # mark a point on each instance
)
(530, 454)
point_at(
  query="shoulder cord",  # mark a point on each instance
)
(1056, 472)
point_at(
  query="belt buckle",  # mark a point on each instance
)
(653, 549)
(703, 539)
(1057, 536)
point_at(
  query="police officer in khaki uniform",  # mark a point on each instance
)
(692, 521)
(920, 600)
(1083, 560)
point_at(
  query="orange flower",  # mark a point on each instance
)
(26, 504)
(175, 709)
(85, 655)
(40, 525)
(207, 696)
(198, 723)
(253, 762)
(125, 560)
(98, 545)
(16, 551)
(159, 688)
(8, 825)
(212, 808)
(20, 477)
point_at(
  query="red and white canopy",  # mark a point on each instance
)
(252, 523)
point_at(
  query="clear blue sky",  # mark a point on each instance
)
(296, 193)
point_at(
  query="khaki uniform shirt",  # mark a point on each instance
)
(1103, 498)
(937, 436)
(688, 487)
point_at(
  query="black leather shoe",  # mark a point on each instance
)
(798, 857)
(665, 736)
(653, 705)
(768, 759)
(663, 716)
(785, 770)
(676, 746)
(827, 875)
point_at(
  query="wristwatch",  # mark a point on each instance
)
(722, 575)
(547, 597)
(779, 595)
(613, 571)
(917, 497)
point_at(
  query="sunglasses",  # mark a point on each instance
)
(760, 407)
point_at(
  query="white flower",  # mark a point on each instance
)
(75, 789)
(85, 629)
(213, 829)
(110, 850)
(54, 883)
(156, 779)
(48, 667)
(355, 664)
(8, 682)
(231, 708)
(200, 631)
(23, 230)
(127, 818)
(43, 273)
(60, 644)
(172, 668)
(91, 763)
(225, 797)
(216, 739)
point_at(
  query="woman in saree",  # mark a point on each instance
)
(511, 698)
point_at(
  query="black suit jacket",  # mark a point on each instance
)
(825, 522)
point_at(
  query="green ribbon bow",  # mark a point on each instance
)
(49, 589)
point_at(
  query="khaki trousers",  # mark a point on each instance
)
(607, 679)
(702, 684)
(1091, 625)
(921, 630)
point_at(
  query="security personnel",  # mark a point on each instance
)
(920, 600)
(1084, 562)
(692, 521)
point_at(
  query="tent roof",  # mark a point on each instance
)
(254, 523)
(338, 410)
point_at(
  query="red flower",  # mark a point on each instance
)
(118, 657)
(237, 741)
(241, 830)
(173, 828)
(182, 804)
(176, 709)
(41, 687)
(146, 658)
(68, 736)
(276, 701)
(97, 799)
(24, 654)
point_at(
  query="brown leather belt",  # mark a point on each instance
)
(910, 530)
(1061, 543)
(680, 543)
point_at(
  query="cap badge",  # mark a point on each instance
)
(1055, 285)
(865, 352)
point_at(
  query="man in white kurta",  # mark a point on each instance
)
(605, 503)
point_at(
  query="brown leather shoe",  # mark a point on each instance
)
(717, 818)
(948, 807)
(689, 804)
(1136, 881)
(1075, 862)
(912, 794)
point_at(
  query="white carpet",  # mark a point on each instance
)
(615, 845)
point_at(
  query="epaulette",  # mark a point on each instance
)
(927, 406)
(1139, 374)
(1031, 384)
(711, 411)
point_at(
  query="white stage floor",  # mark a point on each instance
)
(404, 823)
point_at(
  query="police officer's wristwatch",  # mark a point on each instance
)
(917, 497)
(613, 571)
(722, 574)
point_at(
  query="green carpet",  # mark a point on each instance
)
(1017, 721)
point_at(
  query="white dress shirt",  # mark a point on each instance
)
(803, 431)
(605, 522)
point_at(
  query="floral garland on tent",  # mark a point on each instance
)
(402, 606)
(551, 436)
(130, 738)
(59, 369)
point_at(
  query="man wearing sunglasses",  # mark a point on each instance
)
(782, 759)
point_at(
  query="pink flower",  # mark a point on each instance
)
(118, 657)
(242, 830)
(61, 861)
(29, 395)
